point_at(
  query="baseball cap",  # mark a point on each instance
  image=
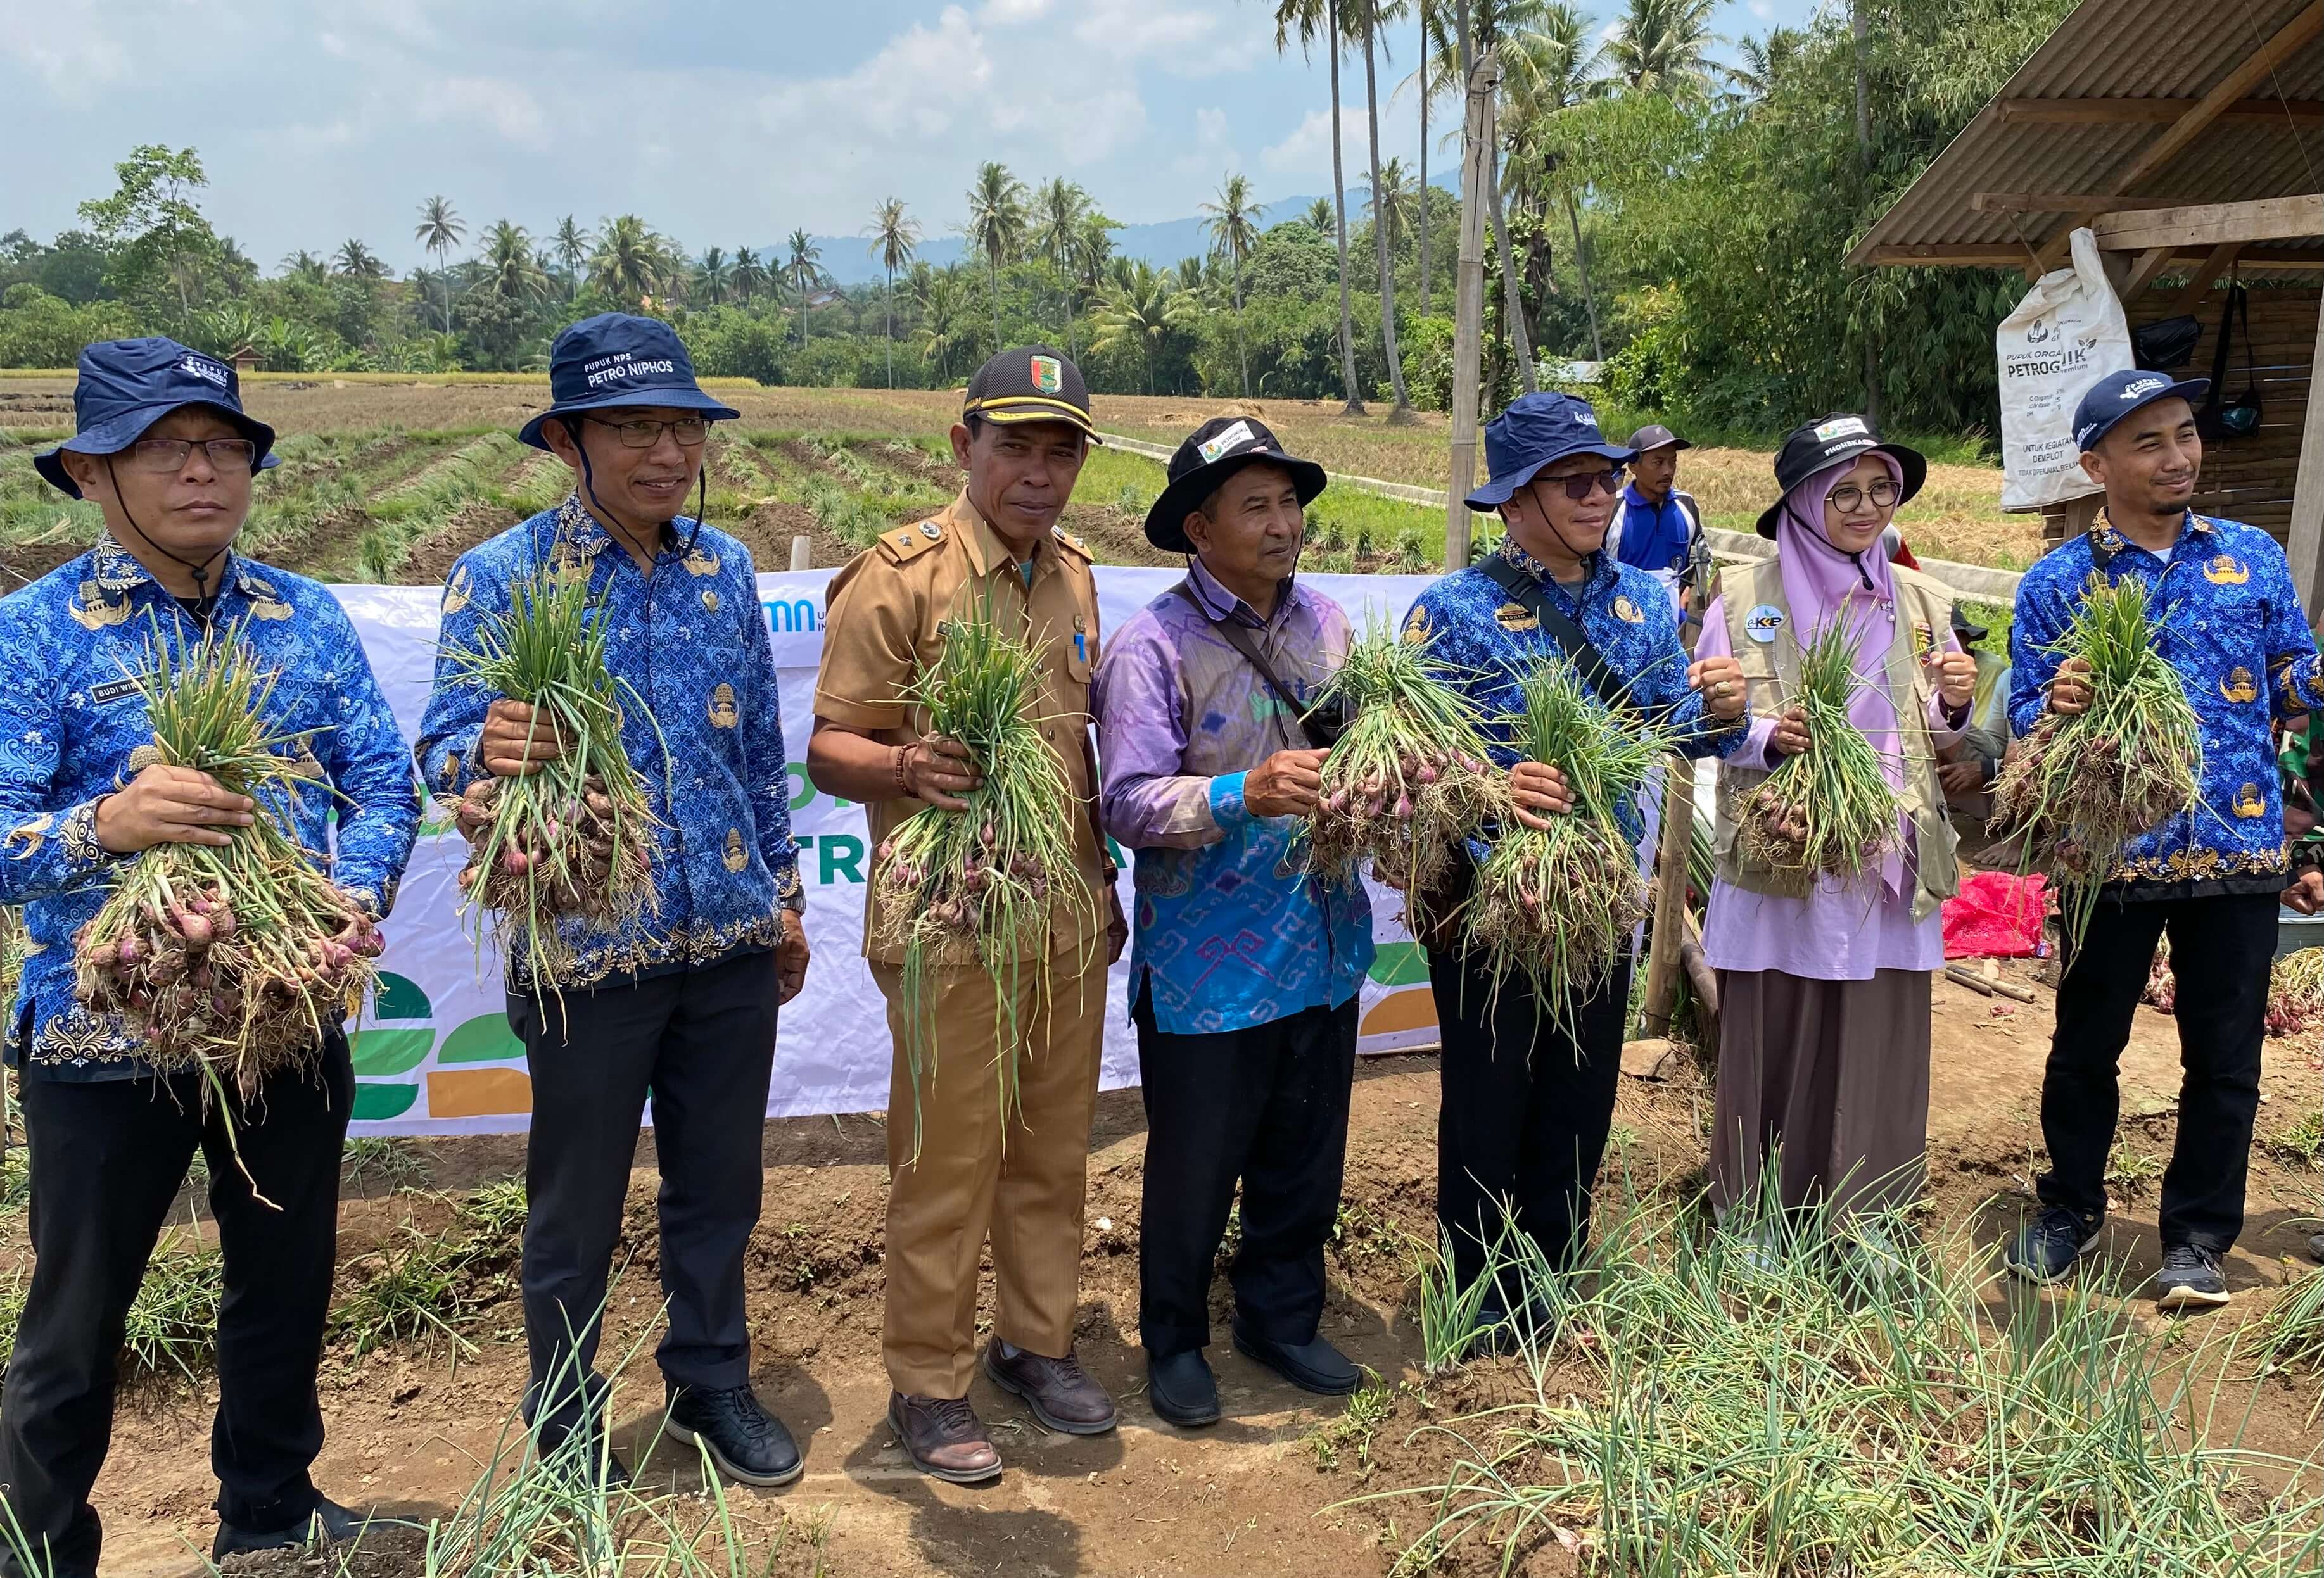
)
(2116, 395)
(1032, 383)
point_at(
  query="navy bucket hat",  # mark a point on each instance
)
(125, 386)
(1535, 431)
(616, 359)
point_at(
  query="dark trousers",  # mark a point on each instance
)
(1267, 1105)
(108, 1158)
(700, 1043)
(1525, 1113)
(2221, 950)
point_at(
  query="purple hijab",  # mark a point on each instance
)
(1823, 583)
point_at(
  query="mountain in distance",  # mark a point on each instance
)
(849, 261)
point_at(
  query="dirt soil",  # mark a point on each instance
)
(410, 1429)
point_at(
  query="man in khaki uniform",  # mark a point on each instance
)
(1023, 434)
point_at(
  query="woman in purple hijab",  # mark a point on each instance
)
(1823, 984)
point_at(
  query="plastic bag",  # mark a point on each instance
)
(2068, 331)
(1996, 915)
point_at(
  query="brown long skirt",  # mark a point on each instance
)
(1835, 1074)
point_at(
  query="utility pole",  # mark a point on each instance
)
(1469, 294)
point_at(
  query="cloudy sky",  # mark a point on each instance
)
(723, 121)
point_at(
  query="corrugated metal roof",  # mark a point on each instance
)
(2120, 49)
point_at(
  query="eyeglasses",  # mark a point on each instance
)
(1848, 496)
(1577, 488)
(639, 433)
(168, 456)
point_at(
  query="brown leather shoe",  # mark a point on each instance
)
(1059, 1392)
(944, 1437)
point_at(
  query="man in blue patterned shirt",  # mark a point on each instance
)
(1527, 1107)
(1247, 972)
(165, 451)
(680, 1005)
(2229, 621)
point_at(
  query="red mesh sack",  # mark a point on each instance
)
(1995, 916)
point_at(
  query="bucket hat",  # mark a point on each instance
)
(125, 386)
(1537, 430)
(618, 359)
(2116, 395)
(1812, 446)
(1211, 453)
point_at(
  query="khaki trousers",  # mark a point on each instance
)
(1024, 1187)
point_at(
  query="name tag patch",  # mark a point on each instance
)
(111, 691)
(1762, 622)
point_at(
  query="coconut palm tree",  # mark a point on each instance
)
(1137, 310)
(895, 236)
(358, 261)
(1365, 19)
(439, 230)
(1233, 229)
(1662, 46)
(1391, 206)
(944, 300)
(571, 243)
(1426, 13)
(996, 226)
(511, 272)
(305, 265)
(1093, 251)
(803, 268)
(631, 261)
(1547, 72)
(1308, 20)
(750, 274)
(1318, 214)
(1058, 207)
(713, 277)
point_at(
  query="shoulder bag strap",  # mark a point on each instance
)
(1588, 661)
(1238, 636)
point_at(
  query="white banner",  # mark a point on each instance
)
(436, 1055)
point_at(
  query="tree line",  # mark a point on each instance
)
(1679, 221)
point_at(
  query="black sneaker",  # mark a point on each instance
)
(2190, 1280)
(744, 1441)
(2046, 1251)
(330, 1522)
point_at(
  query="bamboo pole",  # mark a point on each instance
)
(1469, 306)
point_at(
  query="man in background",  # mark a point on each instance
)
(1658, 527)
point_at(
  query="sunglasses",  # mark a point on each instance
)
(1579, 487)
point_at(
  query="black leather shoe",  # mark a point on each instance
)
(1313, 1366)
(328, 1522)
(583, 1454)
(744, 1441)
(1181, 1389)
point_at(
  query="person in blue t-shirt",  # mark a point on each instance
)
(1658, 528)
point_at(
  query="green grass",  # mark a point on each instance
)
(377, 1162)
(173, 1328)
(416, 1288)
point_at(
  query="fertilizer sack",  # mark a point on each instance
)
(2068, 331)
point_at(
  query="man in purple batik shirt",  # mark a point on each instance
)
(1245, 971)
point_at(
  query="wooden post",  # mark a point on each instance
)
(802, 552)
(1469, 306)
(2305, 537)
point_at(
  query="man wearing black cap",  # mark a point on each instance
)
(1528, 1106)
(1017, 1177)
(678, 1007)
(1246, 972)
(1658, 527)
(165, 451)
(2229, 620)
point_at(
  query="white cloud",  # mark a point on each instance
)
(1010, 13)
(1168, 38)
(1213, 150)
(1306, 152)
(74, 51)
(509, 108)
(1761, 9)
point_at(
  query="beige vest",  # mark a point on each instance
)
(1771, 670)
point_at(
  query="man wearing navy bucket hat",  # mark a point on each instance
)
(2228, 619)
(1527, 1107)
(680, 1006)
(163, 448)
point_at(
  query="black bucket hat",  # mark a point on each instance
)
(1211, 453)
(1817, 446)
(125, 386)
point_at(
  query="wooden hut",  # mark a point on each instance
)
(2190, 138)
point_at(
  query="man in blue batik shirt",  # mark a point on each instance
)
(1526, 1106)
(2229, 621)
(680, 1005)
(164, 450)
